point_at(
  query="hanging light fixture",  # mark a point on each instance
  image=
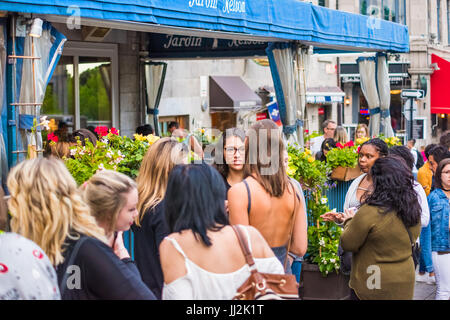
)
(347, 101)
(36, 28)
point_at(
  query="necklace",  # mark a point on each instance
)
(361, 188)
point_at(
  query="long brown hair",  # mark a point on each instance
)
(228, 133)
(259, 161)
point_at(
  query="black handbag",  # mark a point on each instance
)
(415, 249)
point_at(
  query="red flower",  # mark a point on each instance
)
(349, 144)
(52, 137)
(306, 131)
(114, 131)
(101, 131)
(339, 145)
(359, 148)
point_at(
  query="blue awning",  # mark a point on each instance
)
(284, 20)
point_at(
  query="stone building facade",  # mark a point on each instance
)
(428, 22)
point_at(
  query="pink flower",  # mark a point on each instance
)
(339, 145)
(359, 148)
(114, 131)
(349, 144)
(52, 137)
(101, 131)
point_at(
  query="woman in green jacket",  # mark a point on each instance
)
(381, 234)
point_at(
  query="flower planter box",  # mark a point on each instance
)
(345, 174)
(314, 286)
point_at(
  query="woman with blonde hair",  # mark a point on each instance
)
(362, 131)
(151, 227)
(112, 198)
(47, 208)
(340, 135)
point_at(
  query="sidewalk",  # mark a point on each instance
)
(424, 291)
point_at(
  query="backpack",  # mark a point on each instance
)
(420, 161)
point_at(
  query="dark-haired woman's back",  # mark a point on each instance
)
(382, 266)
(194, 271)
(271, 216)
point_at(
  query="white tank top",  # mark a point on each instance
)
(200, 284)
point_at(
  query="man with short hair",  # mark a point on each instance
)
(145, 129)
(329, 127)
(173, 126)
(425, 175)
(411, 146)
(437, 154)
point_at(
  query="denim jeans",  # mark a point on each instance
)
(426, 261)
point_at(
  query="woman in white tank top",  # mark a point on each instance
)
(201, 259)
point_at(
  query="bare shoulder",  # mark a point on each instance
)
(166, 247)
(237, 189)
(171, 260)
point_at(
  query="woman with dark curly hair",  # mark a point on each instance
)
(369, 152)
(327, 145)
(361, 187)
(381, 234)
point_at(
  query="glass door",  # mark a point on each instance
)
(83, 91)
(95, 92)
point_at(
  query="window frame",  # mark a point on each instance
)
(398, 4)
(78, 49)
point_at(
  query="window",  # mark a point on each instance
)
(83, 91)
(322, 3)
(439, 38)
(390, 10)
(448, 22)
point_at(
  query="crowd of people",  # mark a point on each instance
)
(69, 239)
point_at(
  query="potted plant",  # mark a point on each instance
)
(343, 160)
(320, 276)
(112, 152)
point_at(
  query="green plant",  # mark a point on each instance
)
(203, 138)
(112, 152)
(308, 136)
(303, 167)
(343, 156)
(132, 150)
(323, 237)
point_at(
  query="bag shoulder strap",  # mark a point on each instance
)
(410, 239)
(73, 255)
(249, 197)
(244, 247)
(292, 224)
